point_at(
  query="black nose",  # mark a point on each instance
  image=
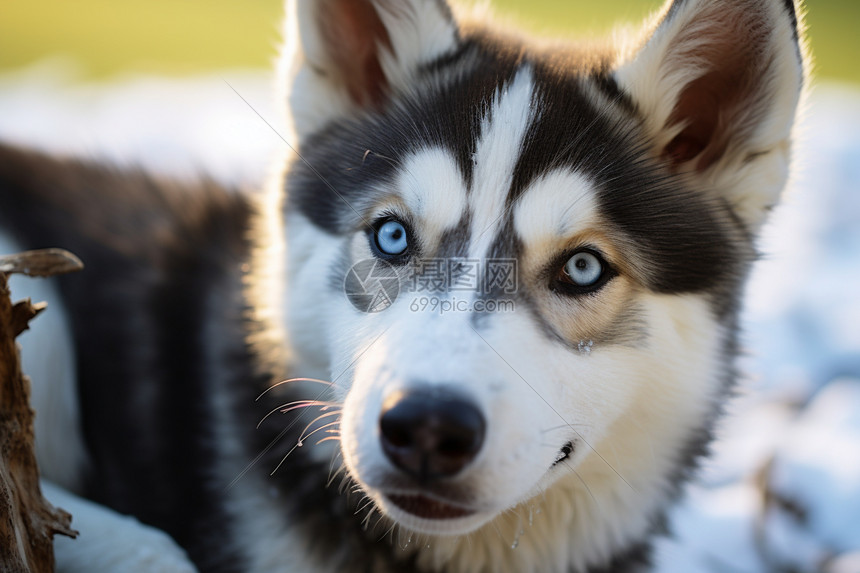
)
(430, 433)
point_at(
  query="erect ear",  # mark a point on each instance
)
(718, 83)
(347, 55)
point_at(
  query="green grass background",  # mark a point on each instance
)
(110, 37)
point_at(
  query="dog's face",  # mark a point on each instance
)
(554, 242)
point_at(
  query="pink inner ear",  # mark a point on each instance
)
(353, 33)
(704, 106)
(716, 106)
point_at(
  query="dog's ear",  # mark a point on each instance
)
(718, 83)
(347, 55)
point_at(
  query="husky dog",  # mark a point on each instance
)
(544, 423)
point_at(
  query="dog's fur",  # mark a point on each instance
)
(663, 153)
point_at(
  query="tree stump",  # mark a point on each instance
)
(28, 522)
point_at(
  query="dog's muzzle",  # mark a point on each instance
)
(430, 434)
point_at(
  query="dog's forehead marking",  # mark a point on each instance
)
(555, 206)
(432, 188)
(502, 131)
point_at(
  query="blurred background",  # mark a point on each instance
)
(151, 82)
(110, 37)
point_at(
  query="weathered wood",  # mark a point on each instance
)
(41, 263)
(28, 522)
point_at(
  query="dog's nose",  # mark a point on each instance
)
(430, 433)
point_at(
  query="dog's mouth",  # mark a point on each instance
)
(426, 508)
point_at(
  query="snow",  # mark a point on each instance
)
(782, 491)
(183, 127)
(820, 461)
(111, 543)
(783, 487)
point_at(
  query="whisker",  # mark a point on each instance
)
(317, 380)
(302, 403)
(284, 408)
(554, 446)
(332, 474)
(283, 459)
(303, 437)
(298, 445)
(564, 427)
(390, 531)
(320, 417)
(588, 489)
(365, 523)
(343, 484)
(498, 531)
(370, 152)
(363, 507)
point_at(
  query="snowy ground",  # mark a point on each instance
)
(782, 492)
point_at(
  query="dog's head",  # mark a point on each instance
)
(521, 263)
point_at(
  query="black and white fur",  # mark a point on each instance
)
(663, 152)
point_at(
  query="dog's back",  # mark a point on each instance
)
(162, 281)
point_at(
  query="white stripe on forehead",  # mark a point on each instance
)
(555, 206)
(433, 190)
(502, 133)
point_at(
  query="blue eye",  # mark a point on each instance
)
(583, 269)
(391, 238)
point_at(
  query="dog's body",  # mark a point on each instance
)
(625, 187)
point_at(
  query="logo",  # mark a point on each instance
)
(371, 285)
